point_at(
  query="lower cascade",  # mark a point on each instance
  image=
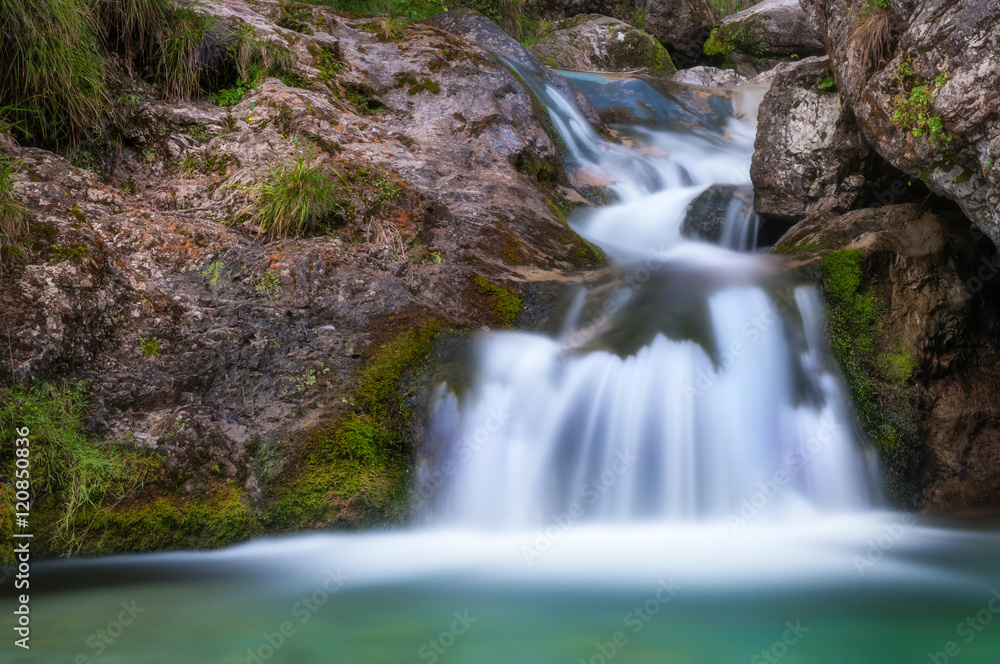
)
(695, 386)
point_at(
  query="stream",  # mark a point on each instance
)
(672, 476)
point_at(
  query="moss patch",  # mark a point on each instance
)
(355, 470)
(504, 302)
(742, 36)
(218, 517)
(878, 379)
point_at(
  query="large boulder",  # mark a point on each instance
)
(680, 25)
(809, 154)
(486, 34)
(590, 42)
(770, 28)
(913, 308)
(921, 79)
(707, 215)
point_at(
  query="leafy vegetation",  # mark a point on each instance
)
(914, 105)
(296, 198)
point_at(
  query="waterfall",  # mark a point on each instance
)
(695, 386)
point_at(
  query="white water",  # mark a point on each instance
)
(742, 420)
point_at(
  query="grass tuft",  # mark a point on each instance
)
(296, 199)
(871, 37)
(53, 77)
(13, 222)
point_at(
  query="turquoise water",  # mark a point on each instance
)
(655, 594)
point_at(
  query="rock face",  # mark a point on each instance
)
(929, 106)
(226, 350)
(680, 25)
(935, 358)
(809, 154)
(488, 35)
(769, 28)
(709, 77)
(591, 42)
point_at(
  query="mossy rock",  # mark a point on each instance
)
(601, 43)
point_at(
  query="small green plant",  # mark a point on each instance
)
(150, 347)
(828, 82)
(386, 29)
(297, 198)
(214, 271)
(269, 284)
(309, 376)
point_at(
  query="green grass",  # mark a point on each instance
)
(13, 221)
(296, 199)
(68, 471)
(53, 76)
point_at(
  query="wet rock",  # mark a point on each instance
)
(707, 214)
(680, 25)
(591, 42)
(481, 31)
(935, 358)
(926, 100)
(809, 153)
(709, 77)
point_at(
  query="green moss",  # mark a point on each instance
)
(505, 302)
(149, 347)
(354, 471)
(428, 85)
(726, 40)
(220, 517)
(797, 248)
(878, 381)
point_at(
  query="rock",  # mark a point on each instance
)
(481, 31)
(228, 347)
(706, 216)
(809, 154)
(680, 25)
(590, 42)
(709, 77)
(768, 29)
(928, 103)
(936, 360)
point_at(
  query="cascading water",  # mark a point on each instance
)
(693, 386)
(591, 487)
